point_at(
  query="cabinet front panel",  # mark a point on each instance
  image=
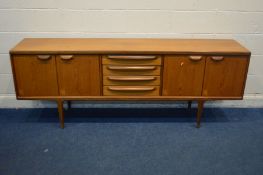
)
(183, 75)
(225, 76)
(78, 75)
(35, 75)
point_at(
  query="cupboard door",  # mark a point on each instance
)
(78, 75)
(225, 76)
(183, 75)
(35, 75)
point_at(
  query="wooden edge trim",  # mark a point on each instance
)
(14, 74)
(126, 98)
(245, 76)
(13, 52)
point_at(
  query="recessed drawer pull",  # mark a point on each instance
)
(195, 58)
(66, 57)
(131, 57)
(139, 78)
(217, 58)
(131, 67)
(131, 88)
(44, 57)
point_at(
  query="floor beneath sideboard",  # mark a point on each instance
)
(159, 141)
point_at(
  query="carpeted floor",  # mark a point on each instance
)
(131, 142)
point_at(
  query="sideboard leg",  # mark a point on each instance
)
(69, 105)
(61, 113)
(189, 104)
(199, 113)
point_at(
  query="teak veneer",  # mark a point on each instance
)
(66, 69)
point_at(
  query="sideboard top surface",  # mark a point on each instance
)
(124, 46)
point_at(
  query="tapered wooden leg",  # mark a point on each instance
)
(199, 113)
(69, 104)
(61, 113)
(189, 104)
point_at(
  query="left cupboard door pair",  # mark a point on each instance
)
(48, 75)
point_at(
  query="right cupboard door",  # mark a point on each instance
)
(225, 76)
(78, 75)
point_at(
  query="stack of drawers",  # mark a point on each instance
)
(126, 75)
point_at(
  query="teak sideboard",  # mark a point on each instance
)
(66, 69)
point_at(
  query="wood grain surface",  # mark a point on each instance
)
(183, 75)
(79, 75)
(111, 46)
(226, 77)
(35, 76)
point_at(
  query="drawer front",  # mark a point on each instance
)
(130, 70)
(131, 80)
(131, 90)
(132, 60)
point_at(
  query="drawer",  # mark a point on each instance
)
(131, 90)
(131, 80)
(130, 70)
(132, 60)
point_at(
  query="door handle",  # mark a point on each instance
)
(217, 58)
(195, 58)
(66, 57)
(44, 57)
